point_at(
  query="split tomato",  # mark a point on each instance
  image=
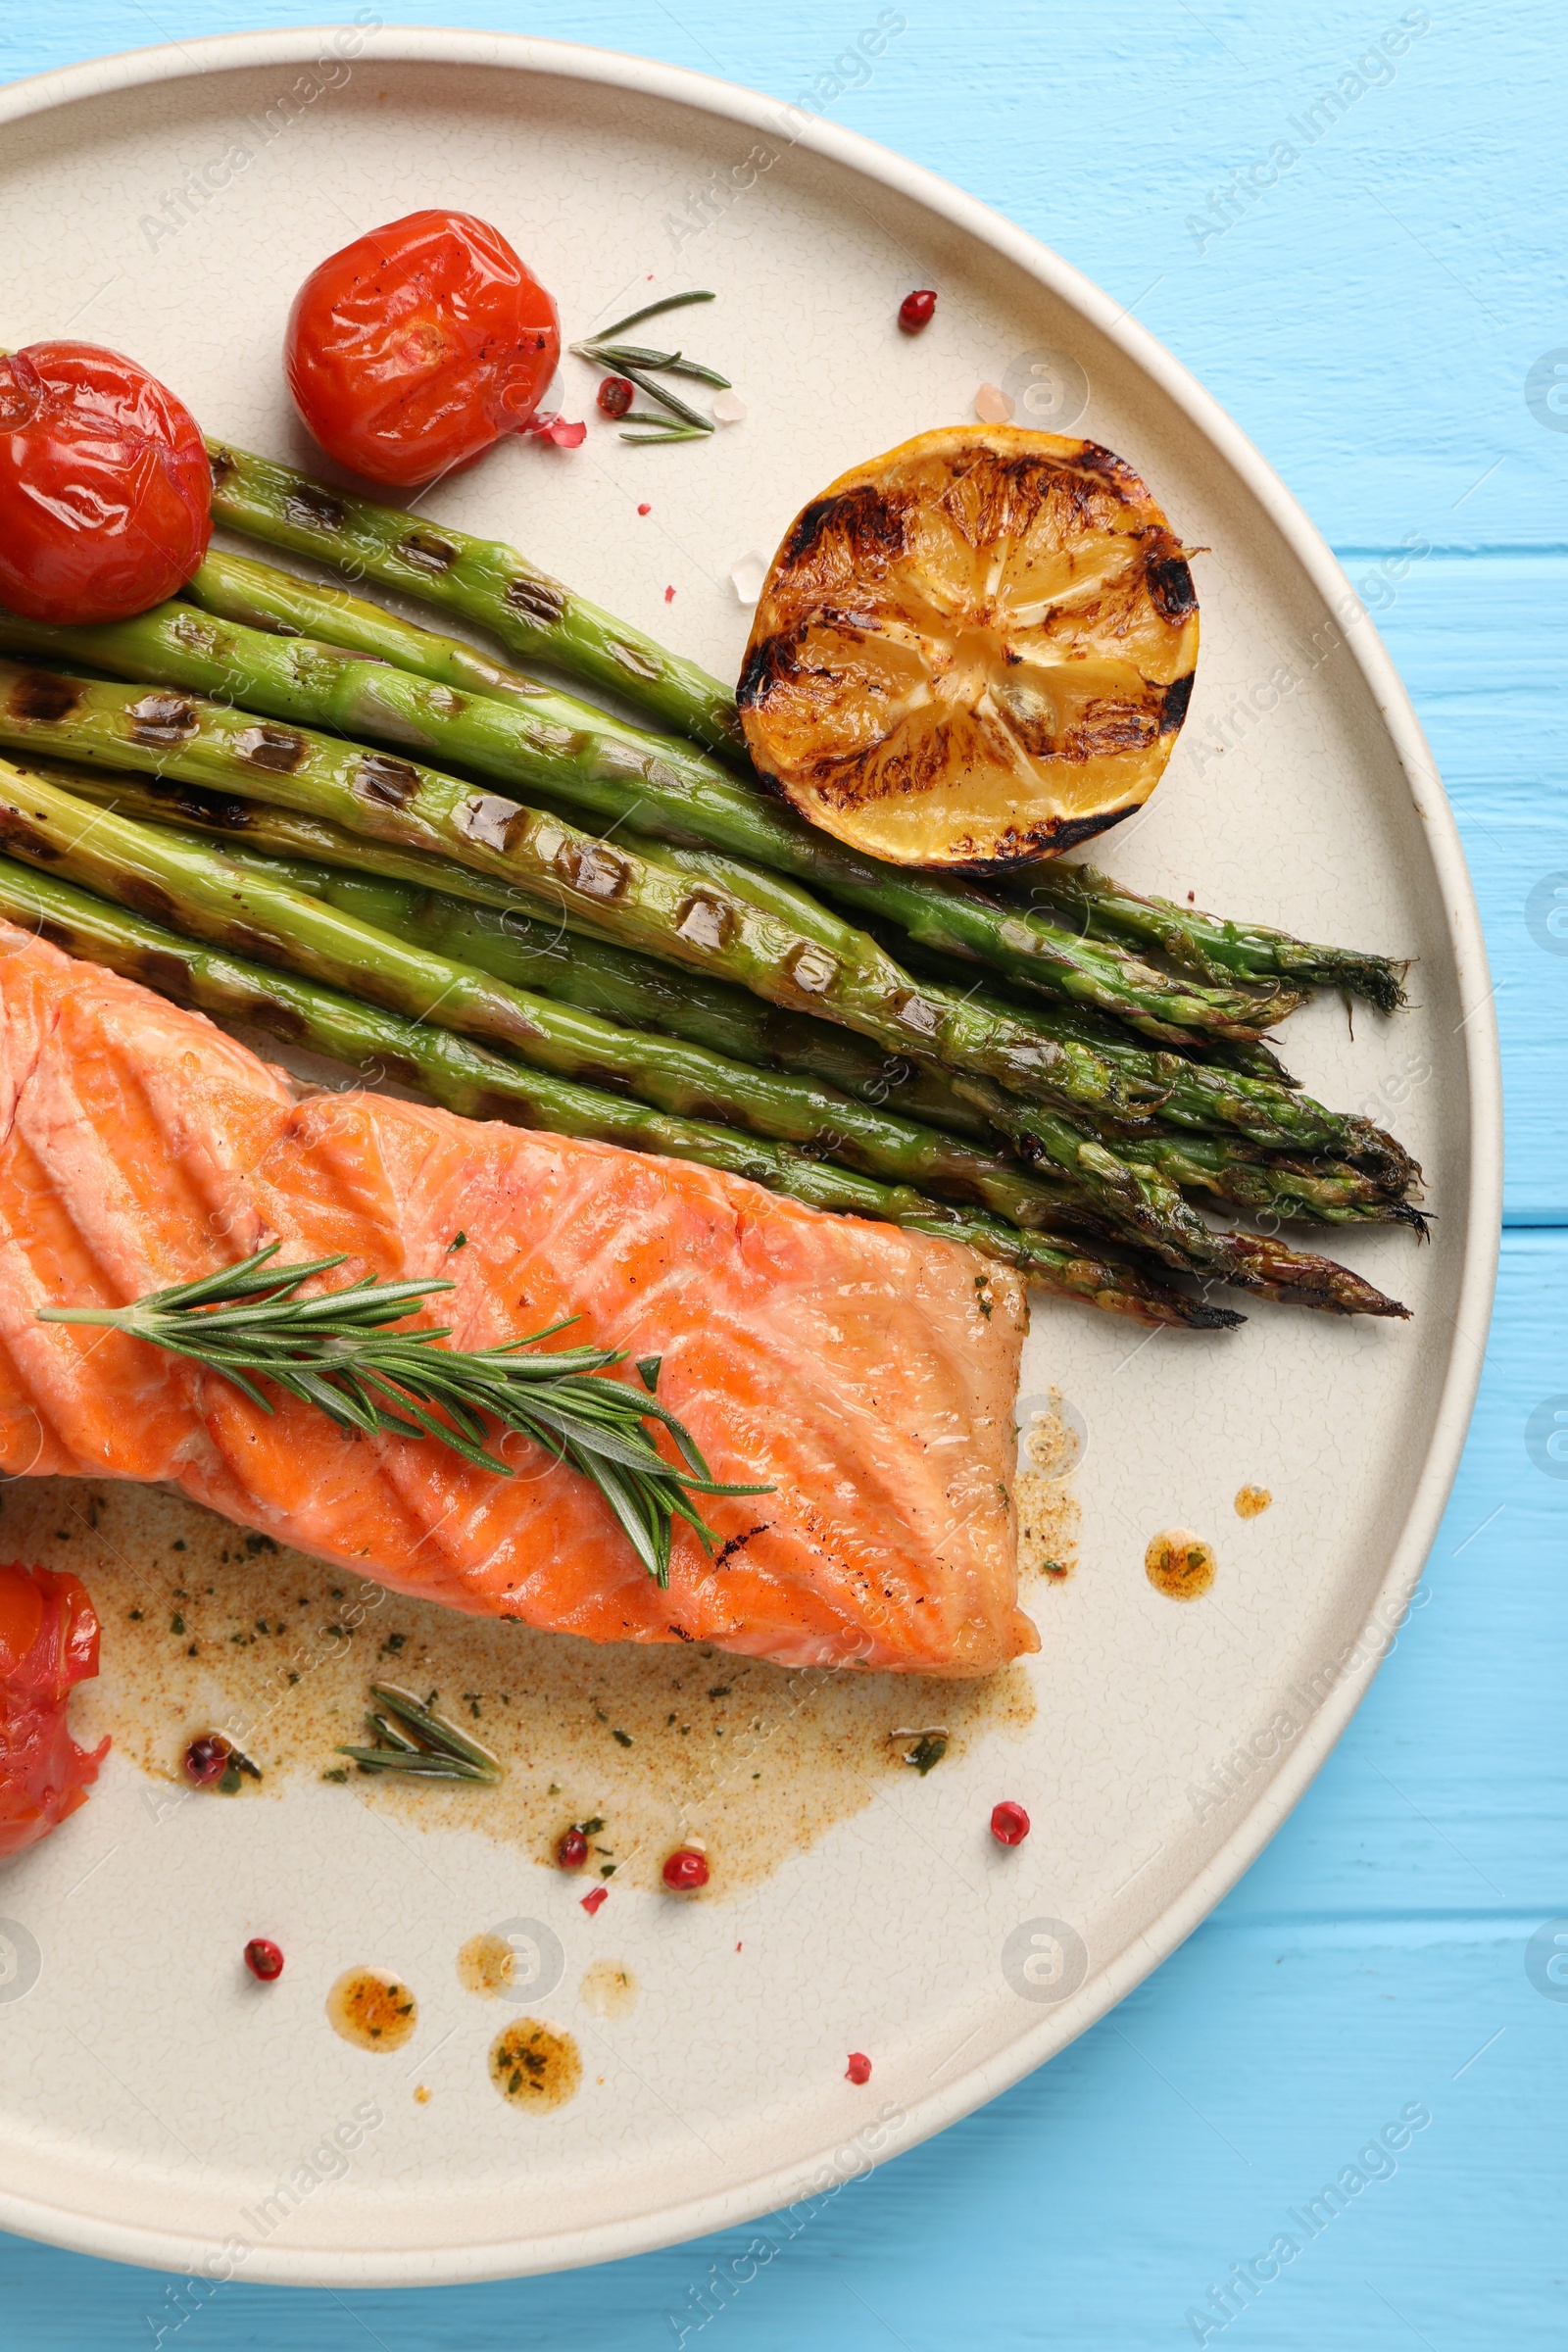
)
(48, 1643)
(418, 346)
(105, 488)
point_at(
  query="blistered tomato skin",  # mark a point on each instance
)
(105, 489)
(418, 346)
(48, 1643)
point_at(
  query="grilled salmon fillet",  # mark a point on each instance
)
(866, 1374)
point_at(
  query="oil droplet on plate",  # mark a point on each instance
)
(371, 2009)
(610, 1990)
(1179, 1564)
(485, 1965)
(422, 2094)
(535, 2064)
(1250, 1501)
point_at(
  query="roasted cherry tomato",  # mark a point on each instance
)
(48, 1643)
(419, 345)
(104, 485)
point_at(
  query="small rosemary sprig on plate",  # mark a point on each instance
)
(637, 364)
(437, 1752)
(332, 1351)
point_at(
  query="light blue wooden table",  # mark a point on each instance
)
(1382, 323)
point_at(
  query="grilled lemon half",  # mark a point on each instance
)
(973, 651)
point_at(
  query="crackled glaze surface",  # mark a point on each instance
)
(902, 1931)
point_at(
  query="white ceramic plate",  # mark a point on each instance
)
(144, 2117)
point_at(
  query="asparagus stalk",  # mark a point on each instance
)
(646, 906)
(261, 595)
(592, 970)
(1145, 1206)
(1208, 946)
(481, 579)
(402, 948)
(663, 786)
(481, 1084)
(1319, 1192)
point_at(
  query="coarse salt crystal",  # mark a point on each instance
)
(728, 408)
(993, 406)
(747, 578)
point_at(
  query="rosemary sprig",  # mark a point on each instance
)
(634, 362)
(439, 1752)
(332, 1351)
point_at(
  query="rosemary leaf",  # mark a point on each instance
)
(675, 432)
(671, 302)
(435, 1728)
(334, 1352)
(420, 1763)
(622, 356)
(646, 384)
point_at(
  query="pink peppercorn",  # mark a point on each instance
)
(206, 1759)
(1010, 1824)
(916, 309)
(263, 1959)
(859, 2069)
(685, 1870)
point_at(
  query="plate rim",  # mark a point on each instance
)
(164, 2247)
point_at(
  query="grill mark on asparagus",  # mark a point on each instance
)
(277, 750)
(39, 695)
(538, 602)
(705, 921)
(382, 778)
(16, 833)
(426, 551)
(313, 508)
(161, 718)
(598, 873)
